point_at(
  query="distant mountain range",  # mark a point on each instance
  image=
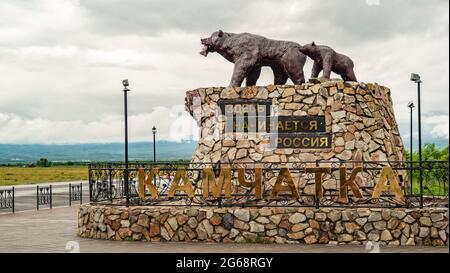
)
(28, 153)
(165, 150)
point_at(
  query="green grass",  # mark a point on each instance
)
(10, 176)
(432, 188)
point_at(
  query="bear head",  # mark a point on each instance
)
(311, 50)
(213, 43)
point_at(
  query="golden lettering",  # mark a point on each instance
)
(147, 181)
(313, 125)
(296, 142)
(257, 184)
(318, 171)
(392, 185)
(314, 141)
(287, 125)
(222, 186)
(287, 142)
(345, 182)
(279, 140)
(224, 182)
(295, 123)
(186, 186)
(278, 187)
(261, 125)
(307, 141)
(304, 125)
(324, 142)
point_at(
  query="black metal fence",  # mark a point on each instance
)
(75, 193)
(7, 199)
(44, 196)
(107, 184)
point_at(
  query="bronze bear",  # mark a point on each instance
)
(249, 52)
(326, 59)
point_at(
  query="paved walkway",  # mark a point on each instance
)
(50, 231)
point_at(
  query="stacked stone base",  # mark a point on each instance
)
(266, 225)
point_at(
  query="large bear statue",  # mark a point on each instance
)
(326, 59)
(249, 52)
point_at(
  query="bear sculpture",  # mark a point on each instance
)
(249, 52)
(326, 59)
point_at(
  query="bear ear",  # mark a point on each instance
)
(313, 44)
(220, 33)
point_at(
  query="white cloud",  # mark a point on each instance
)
(62, 61)
(439, 126)
(173, 124)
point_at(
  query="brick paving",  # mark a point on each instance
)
(50, 230)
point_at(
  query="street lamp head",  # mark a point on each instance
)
(154, 130)
(415, 77)
(411, 104)
(125, 85)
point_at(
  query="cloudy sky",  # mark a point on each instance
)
(62, 61)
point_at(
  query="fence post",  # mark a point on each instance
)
(90, 182)
(110, 182)
(317, 199)
(13, 200)
(37, 197)
(70, 194)
(81, 193)
(51, 196)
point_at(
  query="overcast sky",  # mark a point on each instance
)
(62, 61)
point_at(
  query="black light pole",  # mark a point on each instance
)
(154, 144)
(154, 151)
(125, 172)
(411, 107)
(416, 78)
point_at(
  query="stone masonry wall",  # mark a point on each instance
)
(266, 225)
(359, 115)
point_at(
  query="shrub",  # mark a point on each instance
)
(43, 162)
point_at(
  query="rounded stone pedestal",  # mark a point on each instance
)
(395, 226)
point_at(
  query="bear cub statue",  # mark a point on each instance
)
(326, 59)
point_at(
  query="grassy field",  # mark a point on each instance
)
(23, 175)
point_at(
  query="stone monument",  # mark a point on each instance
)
(275, 163)
(325, 120)
(356, 119)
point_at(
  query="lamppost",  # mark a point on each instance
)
(411, 107)
(154, 144)
(416, 78)
(125, 172)
(154, 151)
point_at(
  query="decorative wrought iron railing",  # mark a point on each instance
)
(7, 199)
(44, 196)
(107, 184)
(14, 199)
(75, 193)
